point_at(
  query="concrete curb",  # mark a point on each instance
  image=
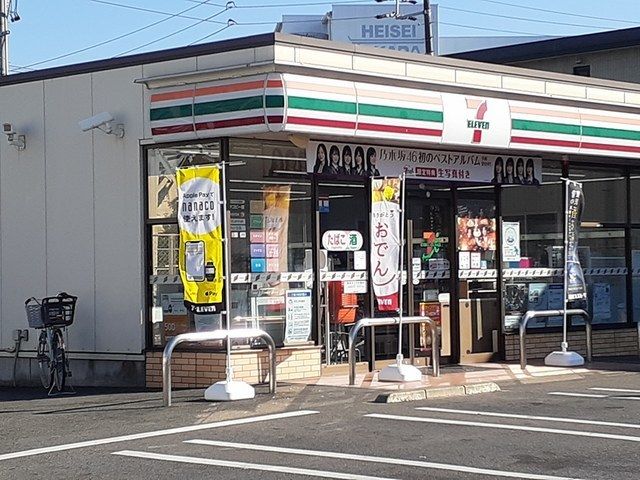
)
(438, 392)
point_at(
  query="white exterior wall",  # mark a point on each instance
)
(71, 208)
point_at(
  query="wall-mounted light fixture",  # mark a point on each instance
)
(103, 122)
(14, 139)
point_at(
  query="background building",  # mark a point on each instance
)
(613, 55)
(357, 24)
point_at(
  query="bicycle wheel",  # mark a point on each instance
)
(44, 362)
(59, 366)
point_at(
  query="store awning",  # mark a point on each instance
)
(320, 107)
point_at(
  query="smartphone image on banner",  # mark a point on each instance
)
(194, 260)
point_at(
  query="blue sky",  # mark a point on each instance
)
(50, 29)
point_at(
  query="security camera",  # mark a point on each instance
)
(18, 141)
(100, 120)
(7, 129)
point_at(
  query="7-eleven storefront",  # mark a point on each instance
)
(484, 206)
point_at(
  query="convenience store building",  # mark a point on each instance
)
(305, 123)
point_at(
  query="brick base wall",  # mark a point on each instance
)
(605, 343)
(201, 369)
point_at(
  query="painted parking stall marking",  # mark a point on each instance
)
(501, 426)
(592, 395)
(530, 417)
(492, 473)
(577, 394)
(618, 390)
(247, 466)
(157, 433)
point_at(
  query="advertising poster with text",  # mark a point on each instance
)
(201, 251)
(356, 160)
(576, 289)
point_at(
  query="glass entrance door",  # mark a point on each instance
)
(343, 240)
(478, 299)
(429, 220)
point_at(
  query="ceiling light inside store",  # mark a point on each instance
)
(268, 157)
(289, 172)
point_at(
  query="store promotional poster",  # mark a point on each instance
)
(576, 289)
(201, 249)
(346, 159)
(276, 226)
(385, 241)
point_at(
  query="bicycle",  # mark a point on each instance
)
(52, 315)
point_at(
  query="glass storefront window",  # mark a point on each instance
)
(538, 213)
(605, 193)
(166, 287)
(532, 279)
(271, 233)
(602, 250)
(161, 174)
(635, 196)
(602, 256)
(270, 230)
(635, 266)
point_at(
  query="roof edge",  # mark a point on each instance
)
(157, 56)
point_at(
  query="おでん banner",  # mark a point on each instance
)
(385, 241)
(201, 249)
(332, 158)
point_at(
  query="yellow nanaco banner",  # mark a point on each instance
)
(201, 249)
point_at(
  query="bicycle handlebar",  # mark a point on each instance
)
(59, 295)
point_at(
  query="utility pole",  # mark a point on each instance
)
(427, 28)
(4, 38)
(412, 16)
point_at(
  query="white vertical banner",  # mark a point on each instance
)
(385, 241)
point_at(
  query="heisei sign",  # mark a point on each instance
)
(342, 240)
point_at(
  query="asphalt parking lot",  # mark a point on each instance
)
(588, 429)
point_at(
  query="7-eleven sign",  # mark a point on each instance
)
(476, 121)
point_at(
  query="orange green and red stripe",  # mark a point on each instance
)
(574, 129)
(218, 106)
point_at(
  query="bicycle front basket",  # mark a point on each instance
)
(58, 311)
(34, 313)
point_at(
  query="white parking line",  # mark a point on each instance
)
(591, 395)
(572, 394)
(502, 426)
(377, 459)
(248, 466)
(157, 433)
(622, 390)
(531, 417)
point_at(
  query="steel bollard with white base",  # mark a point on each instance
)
(400, 372)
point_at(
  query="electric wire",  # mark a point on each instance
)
(149, 10)
(569, 14)
(443, 7)
(200, 22)
(296, 4)
(230, 24)
(111, 40)
(501, 30)
(226, 6)
(549, 22)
